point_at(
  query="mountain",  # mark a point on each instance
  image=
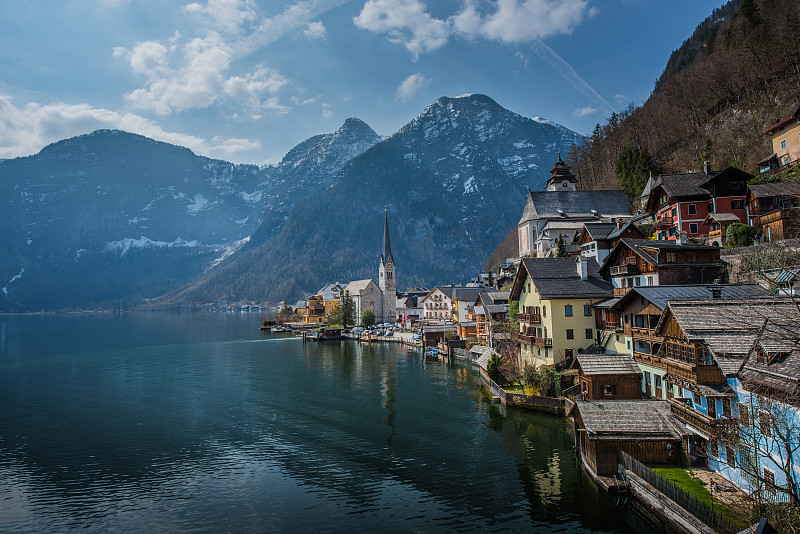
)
(453, 181)
(111, 218)
(311, 165)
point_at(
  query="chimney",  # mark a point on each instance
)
(681, 238)
(707, 167)
(716, 292)
(582, 265)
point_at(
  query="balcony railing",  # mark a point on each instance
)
(663, 222)
(529, 318)
(523, 338)
(624, 269)
(645, 333)
(649, 359)
(710, 425)
(612, 326)
(702, 374)
(543, 341)
(621, 291)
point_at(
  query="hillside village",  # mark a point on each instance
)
(635, 316)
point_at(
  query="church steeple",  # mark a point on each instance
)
(561, 179)
(386, 251)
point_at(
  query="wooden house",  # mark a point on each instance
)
(645, 429)
(490, 306)
(641, 262)
(681, 202)
(608, 377)
(775, 209)
(785, 137)
(718, 227)
(597, 239)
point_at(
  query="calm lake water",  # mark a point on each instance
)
(198, 422)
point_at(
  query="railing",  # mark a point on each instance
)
(695, 373)
(621, 291)
(529, 318)
(612, 326)
(710, 425)
(493, 386)
(645, 333)
(624, 269)
(644, 357)
(543, 341)
(523, 338)
(664, 222)
(679, 496)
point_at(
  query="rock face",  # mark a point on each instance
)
(454, 181)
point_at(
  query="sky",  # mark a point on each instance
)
(246, 80)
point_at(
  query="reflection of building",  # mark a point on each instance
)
(560, 211)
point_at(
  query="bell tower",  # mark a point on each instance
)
(386, 279)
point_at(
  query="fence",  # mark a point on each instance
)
(679, 496)
(463, 354)
(493, 386)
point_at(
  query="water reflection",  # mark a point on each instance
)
(208, 426)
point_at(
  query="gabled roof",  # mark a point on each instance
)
(466, 294)
(787, 120)
(649, 250)
(606, 364)
(659, 295)
(356, 287)
(623, 228)
(728, 326)
(775, 189)
(621, 419)
(329, 291)
(721, 217)
(495, 297)
(559, 278)
(575, 204)
(598, 231)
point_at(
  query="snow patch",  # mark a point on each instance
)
(78, 254)
(541, 120)
(523, 144)
(465, 95)
(242, 222)
(16, 277)
(470, 186)
(29, 241)
(124, 245)
(199, 203)
(5, 291)
(228, 250)
(137, 220)
(255, 196)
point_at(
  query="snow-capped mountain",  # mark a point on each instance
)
(311, 165)
(453, 180)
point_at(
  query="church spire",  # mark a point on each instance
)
(386, 251)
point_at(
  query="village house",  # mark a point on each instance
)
(645, 429)
(608, 377)
(768, 391)
(785, 137)
(774, 209)
(560, 212)
(642, 262)
(438, 305)
(365, 294)
(555, 308)
(463, 299)
(314, 310)
(681, 202)
(597, 239)
(717, 224)
(626, 325)
(331, 296)
(488, 307)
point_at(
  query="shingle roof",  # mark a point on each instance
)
(659, 295)
(776, 189)
(683, 185)
(616, 232)
(607, 364)
(599, 230)
(723, 217)
(557, 204)
(559, 278)
(639, 419)
(647, 249)
(466, 294)
(357, 286)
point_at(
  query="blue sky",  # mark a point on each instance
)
(246, 80)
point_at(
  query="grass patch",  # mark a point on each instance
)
(696, 488)
(520, 389)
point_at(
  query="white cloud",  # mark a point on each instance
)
(25, 130)
(224, 15)
(515, 21)
(406, 22)
(327, 111)
(410, 87)
(584, 111)
(315, 30)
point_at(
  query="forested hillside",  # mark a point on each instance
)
(738, 74)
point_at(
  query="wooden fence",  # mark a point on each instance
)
(679, 496)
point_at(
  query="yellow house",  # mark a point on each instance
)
(556, 318)
(786, 139)
(315, 310)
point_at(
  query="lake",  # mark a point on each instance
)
(200, 423)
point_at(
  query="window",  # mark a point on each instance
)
(670, 257)
(568, 310)
(692, 209)
(609, 389)
(698, 400)
(649, 280)
(587, 310)
(730, 456)
(737, 204)
(570, 334)
(589, 333)
(769, 479)
(764, 423)
(544, 311)
(693, 228)
(783, 144)
(744, 414)
(629, 344)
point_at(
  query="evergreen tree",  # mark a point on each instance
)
(368, 317)
(561, 248)
(634, 166)
(347, 310)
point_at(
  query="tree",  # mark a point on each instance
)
(347, 310)
(368, 317)
(634, 166)
(493, 368)
(740, 235)
(561, 248)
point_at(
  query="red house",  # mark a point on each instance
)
(681, 202)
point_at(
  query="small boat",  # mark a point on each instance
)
(278, 329)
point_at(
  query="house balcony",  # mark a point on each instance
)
(611, 326)
(710, 425)
(316, 309)
(621, 291)
(645, 334)
(715, 233)
(703, 374)
(624, 269)
(648, 359)
(663, 222)
(543, 341)
(523, 338)
(529, 318)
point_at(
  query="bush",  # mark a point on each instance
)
(493, 369)
(740, 235)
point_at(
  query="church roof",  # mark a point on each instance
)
(386, 251)
(575, 204)
(356, 287)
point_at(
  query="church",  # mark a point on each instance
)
(561, 211)
(381, 297)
